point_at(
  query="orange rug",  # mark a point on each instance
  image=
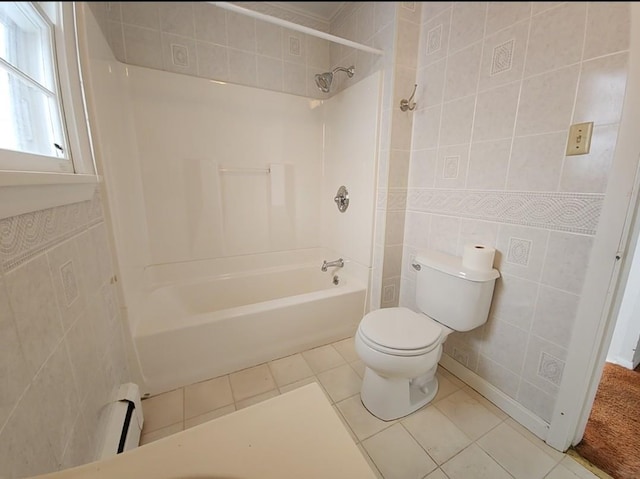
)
(612, 438)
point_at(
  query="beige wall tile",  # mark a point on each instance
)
(14, 372)
(33, 301)
(504, 14)
(546, 101)
(496, 113)
(463, 68)
(608, 27)
(177, 18)
(241, 32)
(467, 24)
(564, 26)
(141, 14)
(536, 162)
(143, 47)
(601, 90)
(210, 23)
(488, 165)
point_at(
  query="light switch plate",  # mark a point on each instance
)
(579, 142)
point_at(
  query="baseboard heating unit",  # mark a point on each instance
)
(124, 422)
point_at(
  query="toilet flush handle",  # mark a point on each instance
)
(416, 266)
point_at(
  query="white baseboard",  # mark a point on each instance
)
(513, 408)
(621, 362)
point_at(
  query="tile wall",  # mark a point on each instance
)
(499, 85)
(62, 347)
(200, 39)
(408, 32)
(368, 23)
(394, 28)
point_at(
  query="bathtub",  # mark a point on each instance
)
(195, 330)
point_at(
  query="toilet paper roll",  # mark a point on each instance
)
(478, 257)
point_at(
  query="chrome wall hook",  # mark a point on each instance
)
(409, 104)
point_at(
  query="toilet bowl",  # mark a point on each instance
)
(401, 348)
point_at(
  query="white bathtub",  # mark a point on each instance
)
(192, 331)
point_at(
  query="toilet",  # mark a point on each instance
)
(401, 348)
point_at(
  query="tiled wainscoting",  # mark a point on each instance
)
(62, 349)
(460, 435)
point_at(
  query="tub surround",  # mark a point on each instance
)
(210, 204)
(297, 434)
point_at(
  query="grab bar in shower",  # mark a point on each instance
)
(245, 170)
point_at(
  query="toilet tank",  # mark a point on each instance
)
(456, 297)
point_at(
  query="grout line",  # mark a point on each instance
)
(482, 42)
(521, 80)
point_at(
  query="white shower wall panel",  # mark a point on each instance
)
(350, 159)
(189, 130)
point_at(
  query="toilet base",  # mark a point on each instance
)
(393, 398)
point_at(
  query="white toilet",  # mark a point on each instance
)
(401, 348)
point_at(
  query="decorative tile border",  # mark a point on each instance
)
(23, 237)
(572, 212)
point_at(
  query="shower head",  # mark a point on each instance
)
(324, 80)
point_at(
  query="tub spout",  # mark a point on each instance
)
(330, 264)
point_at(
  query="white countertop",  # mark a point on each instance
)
(295, 435)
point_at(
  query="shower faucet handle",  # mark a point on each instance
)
(342, 199)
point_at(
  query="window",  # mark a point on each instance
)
(46, 156)
(32, 133)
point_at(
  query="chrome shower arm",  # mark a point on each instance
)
(349, 71)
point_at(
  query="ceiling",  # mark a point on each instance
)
(324, 11)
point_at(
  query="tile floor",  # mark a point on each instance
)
(459, 435)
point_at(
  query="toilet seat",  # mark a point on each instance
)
(400, 332)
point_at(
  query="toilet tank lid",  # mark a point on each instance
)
(453, 265)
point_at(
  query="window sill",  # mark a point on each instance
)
(23, 192)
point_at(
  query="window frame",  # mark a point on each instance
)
(26, 190)
(34, 161)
